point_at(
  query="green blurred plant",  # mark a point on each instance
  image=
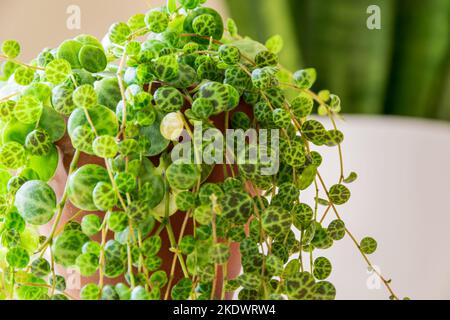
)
(409, 55)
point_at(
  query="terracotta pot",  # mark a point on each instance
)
(60, 179)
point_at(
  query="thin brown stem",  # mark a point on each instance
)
(43, 285)
(174, 259)
(102, 256)
(22, 63)
(122, 93)
(12, 95)
(353, 238)
(185, 35)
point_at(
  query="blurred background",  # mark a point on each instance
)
(402, 69)
(38, 24)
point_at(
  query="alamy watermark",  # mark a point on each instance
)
(210, 146)
(73, 279)
(374, 282)
(73, 21)
(374, 20)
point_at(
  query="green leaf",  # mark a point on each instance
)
(307, 177)
(189, 22)
(336, 229)
(323, 202)
(220, 253)
(151, 246)
(17, 257)
(300, 286)
(24, 75)
(104, 196)
(69, 51)
(172, 5)
(322, 268)
(91, 224)
(45, 166)
(93, 59)
(321, 239)
(275, 44)
(119, 33)
(353, 176)
(159, 279)
(85, 97)
(334, 138)
(368, 245)
(324, 290)
(32, 292)
(305, 78)
(103, 120)
(40, 267)
(12, 155)
(276, 222)
(232, 27)
(87, 263)
(249, 281)
(182, 176)
(7, 110)
(302, 215)
(182, 290)
(11, 48)
(203, 214)
(90, 292)
(108, 92)
(28, 110)
(139, 294)
(339, 194)
(82, 184)
(315, 132)
(4, 178)
(53, 123)
(36, 202)
(105, 147)
(58, 71)
(274, 265)
(302, 105)
(237, 207)
(335, 103)
(152, 134)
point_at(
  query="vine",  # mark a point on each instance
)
(128, 102)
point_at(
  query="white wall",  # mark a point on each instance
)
(400, 199)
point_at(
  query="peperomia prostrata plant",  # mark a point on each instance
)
(135, 102)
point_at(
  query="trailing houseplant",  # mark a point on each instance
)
(143, 116)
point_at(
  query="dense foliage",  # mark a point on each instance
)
(126, 101)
